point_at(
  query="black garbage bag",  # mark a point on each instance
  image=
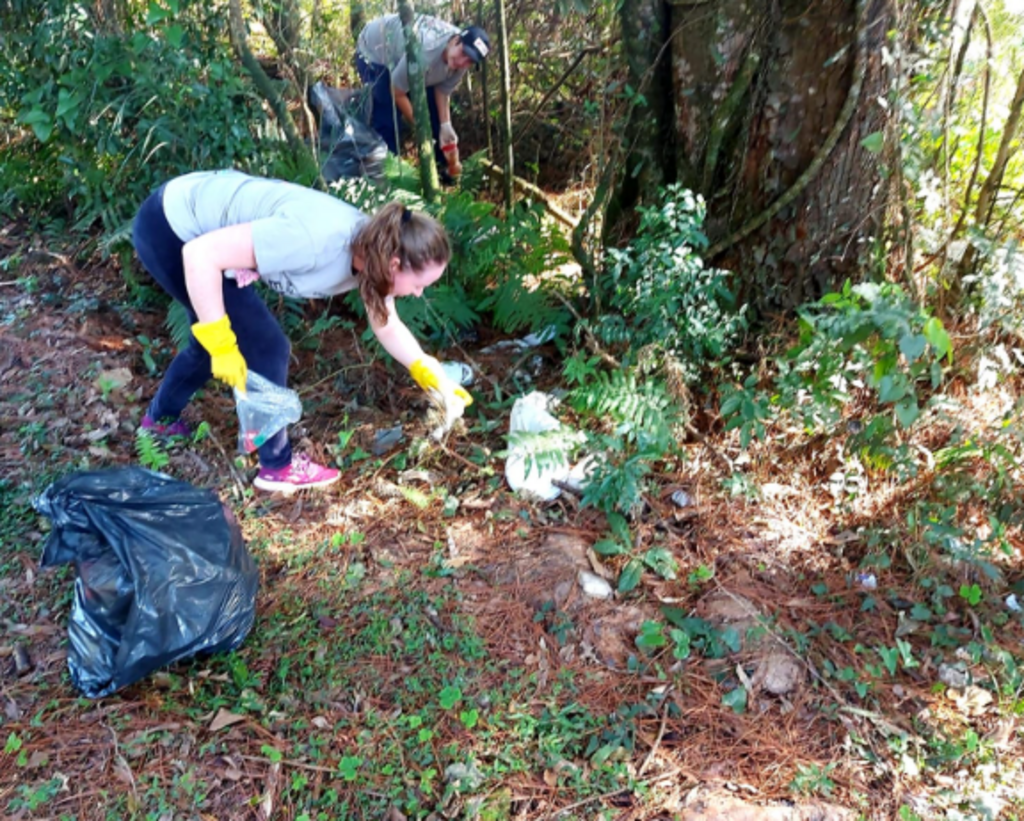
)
(163, 573)
(353, 148)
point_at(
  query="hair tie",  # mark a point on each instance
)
(406, 215)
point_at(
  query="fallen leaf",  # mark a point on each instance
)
(11, 709)
(37, 759)
(972, 700)
(1001, 735)
(113, 380)
(223, 719)
(267, 802)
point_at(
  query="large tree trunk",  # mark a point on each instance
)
(648, 161)
(772, 103)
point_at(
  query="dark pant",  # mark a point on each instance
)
(384, 112)
(260, 338)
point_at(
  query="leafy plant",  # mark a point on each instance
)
(971, 593)
(658, 559)
(114, 113)
(151, 454)
(633, 422)
(660, 294)
(866, 335)
(179, 324)
(813, 779)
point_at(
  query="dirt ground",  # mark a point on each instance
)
(74, 382)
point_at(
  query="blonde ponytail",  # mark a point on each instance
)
(415, 238)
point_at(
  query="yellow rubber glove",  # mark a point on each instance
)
(226, 360)
(428, 374)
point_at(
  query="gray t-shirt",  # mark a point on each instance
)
(302, 238)
(382, 41)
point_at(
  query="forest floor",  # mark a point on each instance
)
(423, 646)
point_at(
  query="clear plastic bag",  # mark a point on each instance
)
(265, 409)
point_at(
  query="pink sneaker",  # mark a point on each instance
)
(300, 474)
(165, 427)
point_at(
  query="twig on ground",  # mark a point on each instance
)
(661, 734)
(299, 765)
(700, 437)
(561, 811)
(239, 484)
(334, 375)
(568, 488)
(459, 457)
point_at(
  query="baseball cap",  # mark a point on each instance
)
(475, 43)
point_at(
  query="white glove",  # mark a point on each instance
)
(447, 135)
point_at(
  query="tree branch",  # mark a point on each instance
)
(531, 190)
(980, 152)
(266, 87)
(551, 91)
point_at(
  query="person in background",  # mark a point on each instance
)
(448, 52)
(205, 236)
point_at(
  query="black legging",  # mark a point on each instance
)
(384, 112)
(260, 338)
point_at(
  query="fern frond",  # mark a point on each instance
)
(641, 410)
(121, 234)
(151, 454)
(179, 325)
(517, 307)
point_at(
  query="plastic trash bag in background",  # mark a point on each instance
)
(265, 409)
(353, 149)
(162, 573)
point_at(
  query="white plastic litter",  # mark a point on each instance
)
(530, 415)
(682, 499)
(867, 580)
(528, 341)
(1012, 603)
(459, 372)
(594, 586)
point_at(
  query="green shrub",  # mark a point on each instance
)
(659, 293)
(112, 115)
(867, 336)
